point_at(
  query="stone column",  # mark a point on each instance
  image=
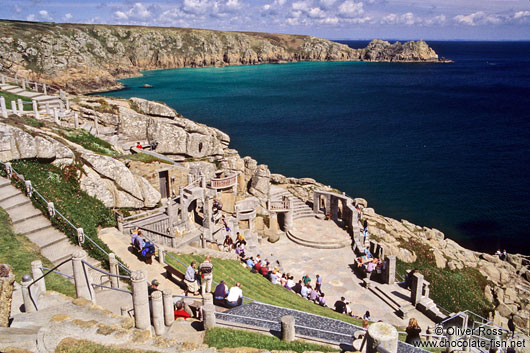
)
(76, 121)
(207, 220)
(47, 106)
(390, 273)
(113, 265)
(171, 216)
(36, 87)
(3, 107)
(7, 280)
(158, 313)
(450, 342)
(67, 104)
(381, 334)
(24, 84)
(140, 300)
(29, 306)
(44, 89)
(288, 329)
(83, 282)
(334, 207)
(208, 316)
(161, 255)
(36, 109)
(20, 106)
(273, 221)
(56, 116)
(61, 94)
(416, 290)
(14, 107)
(207, 299)
(316, 202)
(289, 215)
(169, 315)
(36, 271)
(96, 126)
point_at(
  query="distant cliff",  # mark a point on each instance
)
(84, 58)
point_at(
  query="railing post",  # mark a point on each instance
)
(3, 80)
(76, 121)
(20, 106)
(55, 115)
(140, 300)
(167, 298)
(390, 274)
(123, 310)
(80, 236)
(29, 188)
(51, 209)
(381, 334)
(35, 109)
(24, 84)
(67, 104)
(44, 89)
(83, 282)
(36, 271)
(47, 106)
(161, 255)
(288, 328)
(3, 107)
(29, 307)
(9, 170)
(113, 265)
(14, 108)
(158, 313)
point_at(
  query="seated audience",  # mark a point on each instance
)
(228, 243)
(366, 316)
(283, 280)
(235, 296)
(220, 293)
(274, 277)
(180, 311)
(290, 283)
(250, 262)
(297, 288)
(264, 270)
(240, 239)
(322, 300)
(305, 291)
(340, 305)
(313, 295)
(306, 279)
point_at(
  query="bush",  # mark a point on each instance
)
(90, 142)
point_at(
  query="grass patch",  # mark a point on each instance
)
(259, 288)
(90, 142)
(19, 252)
(228, 338)
(13, 97)
(60, 186)
(453, 290)
(144, 157)
(70, 345)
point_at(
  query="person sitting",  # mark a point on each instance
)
(340, 305)
(220, 293)
(153, 287)
(297, 288)
(498, 253)
(322, 300)
(366, 316)
(257, 266)
(190, 279)
(348, 310)
(313, 295)
(138, 145)
(240, 239)
(135, 244)
(274, 277)
(305, 291)
(179, 311)
(264, 270)
(240, 250)
(504, 255)
(283, 280)
(290, 283)
(235, 296)
(413, 332)
(228, 243)
(368, 253)
(250, 262)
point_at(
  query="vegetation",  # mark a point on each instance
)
(453, 290)
(19, 252)
(229, 338)
(90, 142)
(60, 186)
(144, 157)
(105, 107)
(259, 288)
(13, 97)
(70, 345)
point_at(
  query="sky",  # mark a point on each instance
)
(332, 19)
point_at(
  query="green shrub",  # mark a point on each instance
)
(90, 142)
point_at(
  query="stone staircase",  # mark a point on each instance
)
(300, 209)
(42, 99)
(29, 221)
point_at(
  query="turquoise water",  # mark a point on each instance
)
(441, 145)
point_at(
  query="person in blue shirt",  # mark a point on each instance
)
(250, 262)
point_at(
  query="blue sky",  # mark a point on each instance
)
(334, 19)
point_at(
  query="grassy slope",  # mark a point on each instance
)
(454, 290)
(257, 287)
(227, 338)
(19, 252)
(70, 345)
(13, 97)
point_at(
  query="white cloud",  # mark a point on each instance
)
(200, 7)
(68, 16)
(233, 5)
(521, 14)
(316, 12)
(350, 8)
(327, 3)
(137, 13)
(30, 17)
(477, 18)
(120, 15)
(436, 20)
(45, 15)
(404, 19)
(301, 6)
(330, 20)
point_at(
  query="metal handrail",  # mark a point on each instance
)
(116, 289)
(41, 277)
(103, 271)
(59, 273)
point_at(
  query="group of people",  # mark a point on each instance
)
(145, 248)
(343, 307)
(502, 255)
(368, 263)
(238, 245)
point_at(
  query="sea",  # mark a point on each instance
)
(440, 145)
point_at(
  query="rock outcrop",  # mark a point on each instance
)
(84, 58)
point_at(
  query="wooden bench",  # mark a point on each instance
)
(175, 275)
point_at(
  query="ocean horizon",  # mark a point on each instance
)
(441, 145)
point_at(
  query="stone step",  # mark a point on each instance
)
(8, 192)
(316, 245)
(47, 237)
(14, 202)
(22, 338)
(23, 213)
(34, 225)
(4, 182)
(59, 252)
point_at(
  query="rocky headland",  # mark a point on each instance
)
(85, 58)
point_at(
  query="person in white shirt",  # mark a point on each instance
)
(305, 291)
(235, 296)
(290, 282)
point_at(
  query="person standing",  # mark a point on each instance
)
(413, 332)
(205, 270)
(191, 279)
(511, 325)
(318, 286)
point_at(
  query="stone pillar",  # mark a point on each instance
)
(381, 334)
(67, 104)
(29, 306)
(334, 207)
(36, 87)
(158, 313)
(171, 216)
(14, 108)
(289, 220)
(83, 282)
(45, 89)
(96, 126)
(140, 300)
(36, 271)
(161, 255)
(20, 106)
(123, 310)
(36, 109)
(7, 280)
(207, 222)
(56, 116)
(208, 316)
(61, 94)
(426, 290)
(167, 299)
(416, 290)
(47, 106)
(316, 202)
(450, 347)
(273, 222)
(288, 329)
(390, 273)
(3, 107)
(114, 269)
(24, 84)
(76, 121)
(207, 299)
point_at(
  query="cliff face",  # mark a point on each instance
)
(86, 58)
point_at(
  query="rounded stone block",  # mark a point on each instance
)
(288, 329)
(382, 334)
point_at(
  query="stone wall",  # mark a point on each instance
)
(7, 279)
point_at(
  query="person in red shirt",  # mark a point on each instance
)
(138, 145)
(264, 270)
(180, 312)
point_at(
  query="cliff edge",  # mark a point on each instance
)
(85, 58)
